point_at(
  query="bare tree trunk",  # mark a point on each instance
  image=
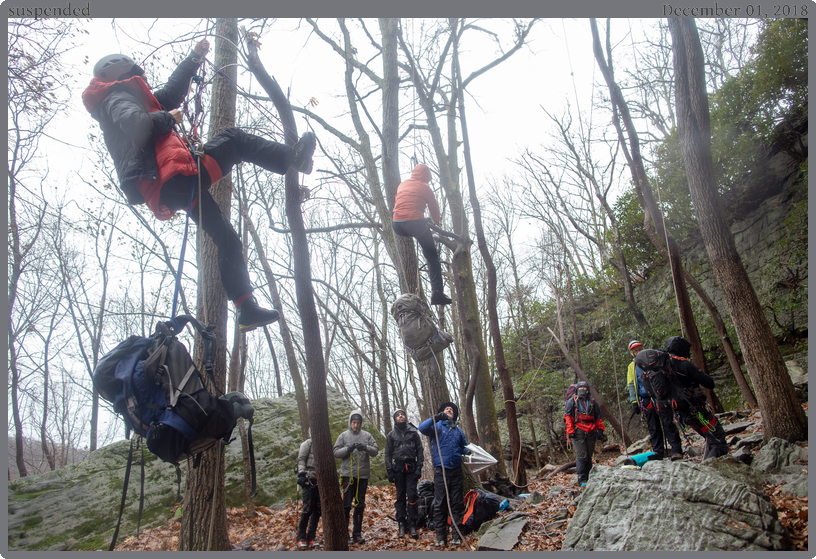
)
(519, 473)
(782, 414)
(651, 210)
(334, 525)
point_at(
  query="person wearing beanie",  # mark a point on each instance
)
(447, 441)
(584, 426)
(408, 220)
(355, 447)
(403, 462)
(660, 423)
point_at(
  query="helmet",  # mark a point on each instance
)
(110, 67)
(634, 343)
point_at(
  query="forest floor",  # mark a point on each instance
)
(275, 529)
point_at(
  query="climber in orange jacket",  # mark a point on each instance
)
(413, 196)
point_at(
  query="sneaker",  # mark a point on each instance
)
(312, 545)
(676, 456)
(351, 540)
(302, 545)
(252, 316)
(440, 299)
(304, 149)
(440, 544)
(359, 539)
(456, 541)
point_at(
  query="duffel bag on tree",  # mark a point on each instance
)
(421, 336)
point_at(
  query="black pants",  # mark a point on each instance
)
(311, 513)
(455, 481)
(702, 420)
(231, 146)
(406, 483)
(354, 490)
(584, 445)
(662, 428)
(419, 230)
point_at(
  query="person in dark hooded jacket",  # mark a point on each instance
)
(155, 165)
(307, 479)
(584, 426)
(447, 448)
(403, 462)
(408, 220)
(690, 402)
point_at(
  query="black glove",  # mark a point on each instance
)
(602, 436)
(441, 416)
(361, 447)
(635, 407)
(301, 479)
(351, 448)
(391, 476)
(572, 435)
(417, 473)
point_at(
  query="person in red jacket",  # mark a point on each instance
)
(408, 218)
(584, 426)
(155, 166)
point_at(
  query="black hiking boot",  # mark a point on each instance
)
(304, 149)
(412, 530)
(252, 316)
(359, 539)
(676, 456)
(456, 540)
(402, 530)
(440, 299)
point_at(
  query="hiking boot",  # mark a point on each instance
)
(358, 539)
(412, 530)
(676, 456)
(402, 530)
(302, 546)
(304, 149)
(251, 315)
(312, 545)
(440, 299)
(455, 540)
(351, 540)
(440, 544)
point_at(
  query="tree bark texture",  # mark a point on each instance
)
(334, 524)
(782, 414)
(204, 520)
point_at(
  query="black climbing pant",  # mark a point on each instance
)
(418, 229)
(228, 148)
(584, 445)
(662, 429)
(354, 491)
(455, 481)
(307, 526)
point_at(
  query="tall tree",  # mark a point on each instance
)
(782, 414)
(204, 521)
(334, 525)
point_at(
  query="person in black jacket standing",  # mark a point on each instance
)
(689, 402)
(403, 462)
(156, 167)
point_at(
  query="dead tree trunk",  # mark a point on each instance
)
(334, 524)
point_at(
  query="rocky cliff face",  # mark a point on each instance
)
(76, 507)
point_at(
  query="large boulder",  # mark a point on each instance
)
(76, 507)
(676, 506)
(780, 457)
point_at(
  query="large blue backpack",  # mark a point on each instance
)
(156, 388)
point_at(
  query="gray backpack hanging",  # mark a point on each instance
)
(420, 334)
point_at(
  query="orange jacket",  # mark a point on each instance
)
(413, 195)
(584, 415)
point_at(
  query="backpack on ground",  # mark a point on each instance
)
(155, 387)
(421, 336)
(657, 374)
(425, 497)
(480, 506)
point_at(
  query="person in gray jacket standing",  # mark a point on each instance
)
(307, 479)
(355, 446)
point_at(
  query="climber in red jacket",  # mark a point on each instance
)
(155, 166)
